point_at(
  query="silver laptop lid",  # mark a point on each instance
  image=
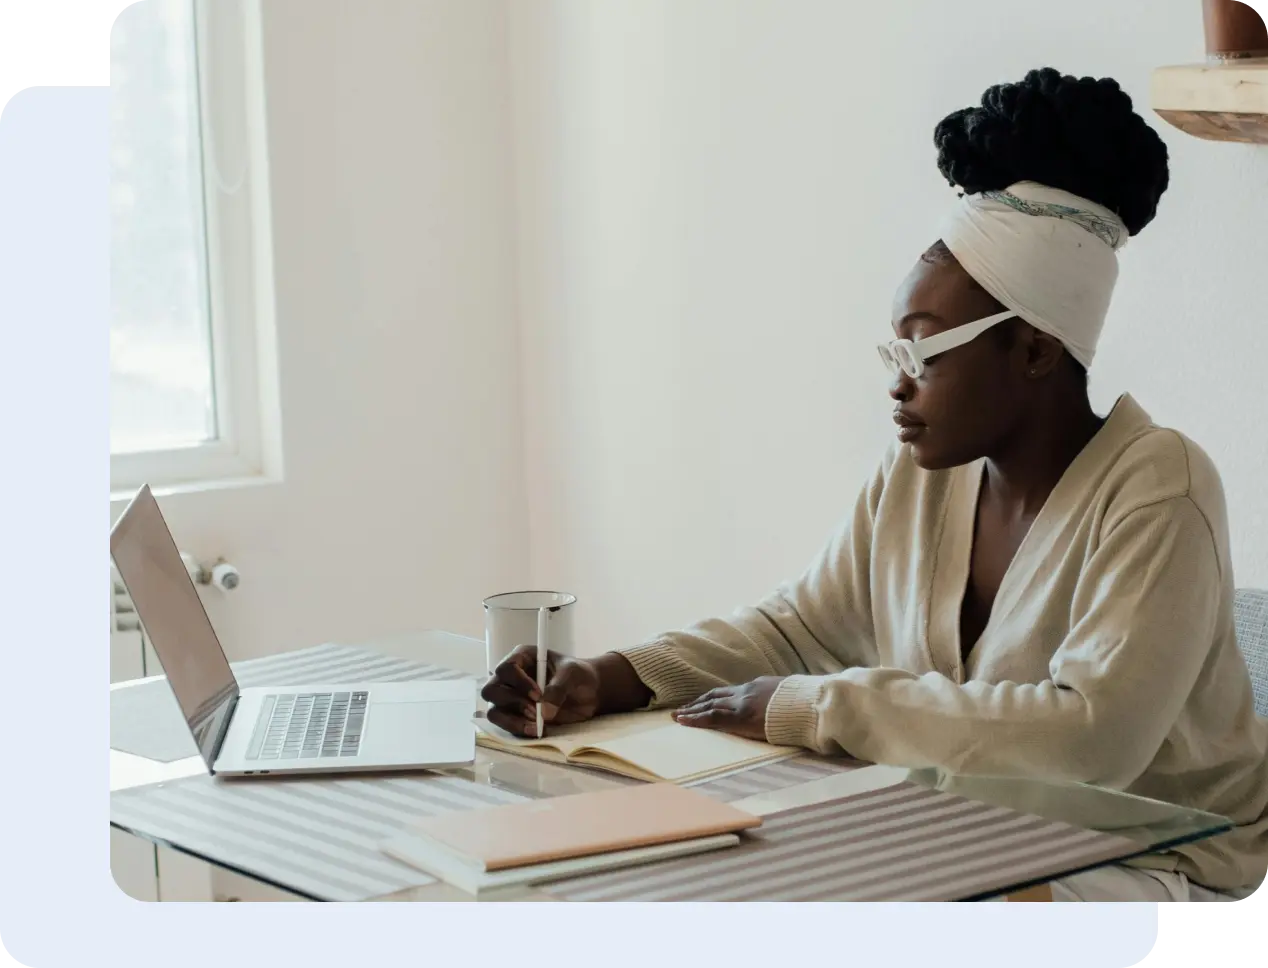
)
(175, 621)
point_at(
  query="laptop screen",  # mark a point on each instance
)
(174, 620)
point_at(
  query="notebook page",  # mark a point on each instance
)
(678, 753)
(567, 739)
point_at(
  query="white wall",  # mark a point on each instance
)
(692, 215)
(403, 500)
(717, 200)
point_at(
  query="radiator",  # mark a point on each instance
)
(130, 654)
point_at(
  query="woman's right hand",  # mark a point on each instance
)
(576, 690)
(571, 694)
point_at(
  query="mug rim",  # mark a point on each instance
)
(492, 600)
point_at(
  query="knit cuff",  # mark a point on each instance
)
(792, 718)
(660, 668)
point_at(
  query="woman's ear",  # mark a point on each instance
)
(1043, 354)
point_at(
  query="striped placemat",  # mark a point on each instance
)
(773, 776)
(901, 843)
(145, 720)
(317, 837)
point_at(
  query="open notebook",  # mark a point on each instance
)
(642, 745)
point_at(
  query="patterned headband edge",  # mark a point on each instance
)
(1111, 231)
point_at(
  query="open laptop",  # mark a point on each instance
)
(322, 728)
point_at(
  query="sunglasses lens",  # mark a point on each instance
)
(887, 357)
(907, 359)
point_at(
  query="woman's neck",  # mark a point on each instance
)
(1031, 462)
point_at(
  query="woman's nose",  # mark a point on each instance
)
(900, 388)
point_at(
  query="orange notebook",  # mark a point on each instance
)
(541, 831)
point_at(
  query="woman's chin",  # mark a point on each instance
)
(929, 457)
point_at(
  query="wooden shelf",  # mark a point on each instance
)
(1220, 102)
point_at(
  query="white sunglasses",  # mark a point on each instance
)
(910, 355)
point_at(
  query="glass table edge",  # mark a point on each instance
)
(1144, 852)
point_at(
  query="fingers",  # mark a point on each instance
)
(711, 718)
(512, 721)
(513, 694)
(512, 676)
(716, 709)
(566, 678)
(709, 714)
(701, 705)
(721, 692)
(728, 696)
(502, 697)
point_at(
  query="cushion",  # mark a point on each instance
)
(1250, 610)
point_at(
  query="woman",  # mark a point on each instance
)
(1023, 588)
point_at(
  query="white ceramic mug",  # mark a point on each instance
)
(510, 620)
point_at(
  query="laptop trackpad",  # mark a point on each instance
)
(442, 731)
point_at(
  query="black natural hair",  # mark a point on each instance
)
(1077, 134)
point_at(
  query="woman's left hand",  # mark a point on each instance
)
(740, 710)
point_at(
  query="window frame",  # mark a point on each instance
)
(239, 245)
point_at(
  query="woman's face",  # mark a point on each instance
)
(969, 399)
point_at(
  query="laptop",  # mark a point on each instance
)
(321, 728)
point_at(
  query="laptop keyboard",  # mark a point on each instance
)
(295, 726)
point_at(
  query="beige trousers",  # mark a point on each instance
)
(1117, 883)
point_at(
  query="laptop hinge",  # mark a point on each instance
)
(224, 732)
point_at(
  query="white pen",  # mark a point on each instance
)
(543, 616)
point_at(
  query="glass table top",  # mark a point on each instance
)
(1150, 825)
(1155, 825)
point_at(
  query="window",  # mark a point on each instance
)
(191, 287)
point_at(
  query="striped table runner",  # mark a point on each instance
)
(772, 776)
(319, 836)
(334, 663)
(901, 843)
(316, 837)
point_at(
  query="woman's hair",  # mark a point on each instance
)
(1080, 135)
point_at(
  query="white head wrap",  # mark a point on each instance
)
(1049, 256)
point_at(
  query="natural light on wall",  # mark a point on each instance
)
(191, 342)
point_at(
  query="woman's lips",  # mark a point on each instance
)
(908, 427)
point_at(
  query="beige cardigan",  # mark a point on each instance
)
(1109, 657)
